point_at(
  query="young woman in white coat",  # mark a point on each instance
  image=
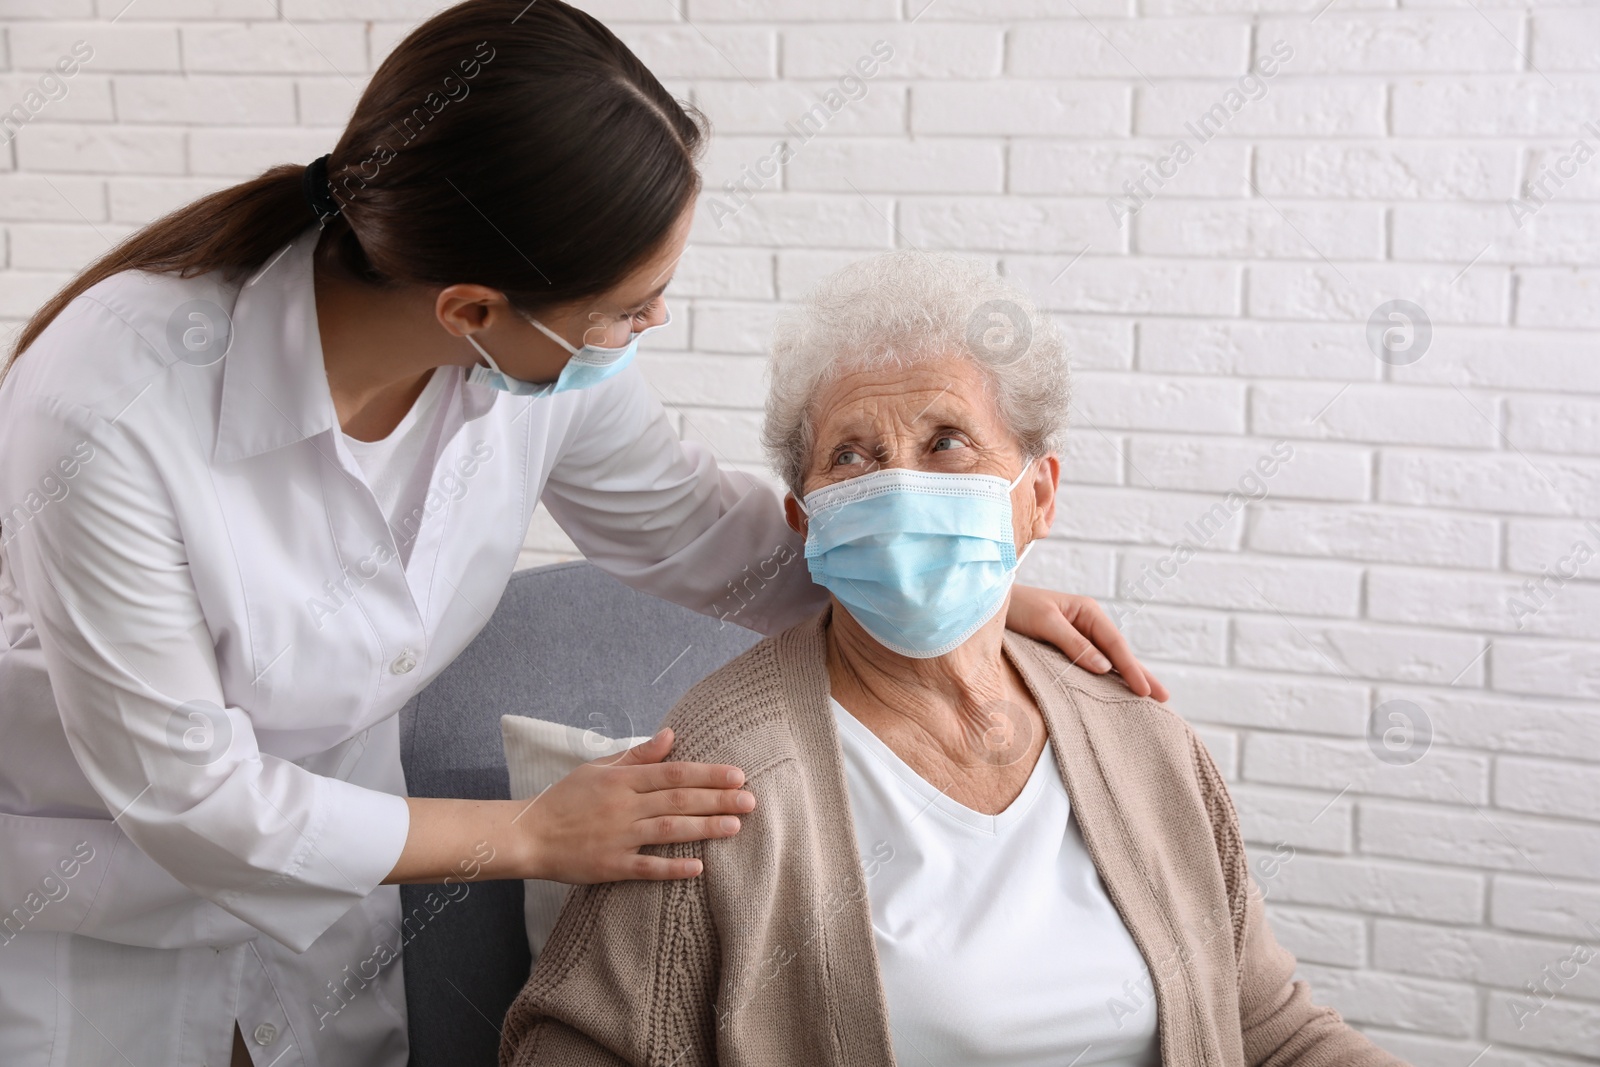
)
(265, 471)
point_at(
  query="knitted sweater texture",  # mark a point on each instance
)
(768, 960)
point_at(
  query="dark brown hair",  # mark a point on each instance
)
(518, 146)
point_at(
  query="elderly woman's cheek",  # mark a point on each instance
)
(1027, 517)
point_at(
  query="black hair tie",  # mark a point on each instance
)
(318, 190)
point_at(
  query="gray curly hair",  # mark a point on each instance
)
(901, 308)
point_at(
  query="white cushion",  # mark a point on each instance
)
(539, 754)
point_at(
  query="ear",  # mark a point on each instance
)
(1046, 478)
(798, 521)
(466, 309)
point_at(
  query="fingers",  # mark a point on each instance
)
(676, 829)
(696, 802)
(1093, 622)
(652, 751)
(673, 775)
(1082, 629)
(676, 775)
(1141, 681)
(1057, 626)
(1079, 650)
(1088, 622)
(657, 868)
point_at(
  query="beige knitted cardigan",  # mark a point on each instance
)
(768, 960)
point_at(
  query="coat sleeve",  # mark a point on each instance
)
(103, 572)
(660, 515)
(1281, 1027)
(628, 977)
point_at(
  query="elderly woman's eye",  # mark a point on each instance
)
(947, 442)
(846, 457)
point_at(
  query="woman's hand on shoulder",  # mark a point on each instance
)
(1080, 627)
(590, 826)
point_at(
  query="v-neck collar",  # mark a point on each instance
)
(937, 799)
(275, 388)
(860, 1010)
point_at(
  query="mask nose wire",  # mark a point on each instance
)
(800, 503)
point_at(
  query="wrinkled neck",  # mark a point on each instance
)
(950, 700)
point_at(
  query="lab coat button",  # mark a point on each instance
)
(266, 1034)
(403, 662)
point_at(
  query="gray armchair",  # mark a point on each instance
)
(567, 643)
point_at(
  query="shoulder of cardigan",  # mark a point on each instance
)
(1099, 688)
(740, 712)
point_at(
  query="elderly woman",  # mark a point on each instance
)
(966, 850)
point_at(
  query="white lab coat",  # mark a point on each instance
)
(208, 635)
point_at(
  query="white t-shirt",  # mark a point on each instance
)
(996, 941)
(393, 465)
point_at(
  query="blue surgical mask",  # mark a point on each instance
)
(589, 365)
(921, 560)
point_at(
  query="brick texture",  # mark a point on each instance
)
(1392, 642)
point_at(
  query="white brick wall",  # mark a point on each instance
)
(1229, 313)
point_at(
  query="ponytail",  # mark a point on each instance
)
(233, 230)
(520, 147)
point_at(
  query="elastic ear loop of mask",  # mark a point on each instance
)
(541, 327)
(557, 338)
(562, 341)
(1026, 467)
(473, 341)
(548, 332)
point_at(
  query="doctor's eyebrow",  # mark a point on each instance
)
(671, 268)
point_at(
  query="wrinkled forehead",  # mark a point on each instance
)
(903, 399)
